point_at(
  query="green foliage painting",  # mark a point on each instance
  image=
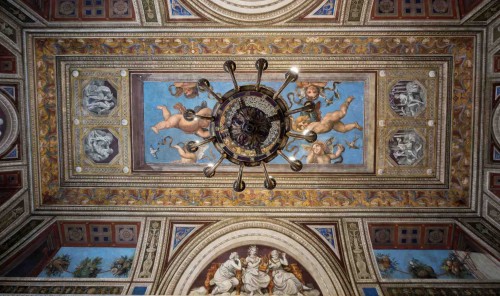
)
(90, 263)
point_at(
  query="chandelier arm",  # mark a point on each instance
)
(309, 136)
(290, 76)
(204, 85)
(193, 146)
(261, 65)
(209, 171)
(295, 165)
(230, 67)
(239, 184)
(269, 182)
(191, 115)
(308, 107)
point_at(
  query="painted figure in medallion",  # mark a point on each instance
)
(285, 283)
(406, 147)
(97, 145)
(254, 279)
(407, 98)
(99, 98)
(225, 277)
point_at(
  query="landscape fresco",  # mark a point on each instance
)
(435, 264)
(343, 144)
(89, 262)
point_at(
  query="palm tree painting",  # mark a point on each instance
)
(90, 262)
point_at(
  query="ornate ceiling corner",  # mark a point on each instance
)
(10, 60)
(491, 210)
(41, 9)
(494, 37)
(13, 185)
(325, 12)
(179, 233)
(178, 10)
(21, 14)
(329, 233)
(21, 235)
(488, 234)
(483, 14)
(14, 213)
(492, 183)
(10, 31)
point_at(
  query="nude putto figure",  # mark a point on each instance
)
(331, 121)
(198, 127)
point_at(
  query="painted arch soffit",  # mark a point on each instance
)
(252, 13)
(114, 121)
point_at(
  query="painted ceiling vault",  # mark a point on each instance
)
(399, 194)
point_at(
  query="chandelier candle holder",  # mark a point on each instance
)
(250, 124)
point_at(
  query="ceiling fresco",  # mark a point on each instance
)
(398, 195)
(413, 125)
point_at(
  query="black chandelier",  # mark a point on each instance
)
(250, 124)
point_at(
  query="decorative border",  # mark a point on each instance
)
(150, 257)
(62, 288)
(438, 289)
(357, 251)
(375, 44)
